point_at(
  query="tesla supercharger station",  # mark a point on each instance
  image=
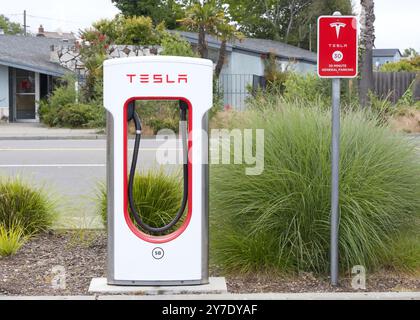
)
(136, 256)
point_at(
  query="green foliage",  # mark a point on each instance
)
(28, 206)
(384, 110)
(136, 30)
(217, 99)
(10, 27)
(410, 52)
(131, 30)
(279, 220)
(167, 11)
(211, 18)
(404, 252)
(157, 197)
(63, 94)
(174, 45)
(11, 239)
(159, 115)
(93, 52)
(293, 22)
(60, 109)
(74, 116)
(275, 79)
(158, 124)
(411, 65)
(309, 89)
(408, 98)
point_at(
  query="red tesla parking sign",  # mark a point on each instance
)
(337, 46)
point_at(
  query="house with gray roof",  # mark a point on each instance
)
(245, 60)
(382, 56)
(26, 75)
(247, 56)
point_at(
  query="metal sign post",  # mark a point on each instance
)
(337, 58)
(335, 159)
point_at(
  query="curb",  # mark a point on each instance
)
(90, 137)
(244, 296)
(82, 137)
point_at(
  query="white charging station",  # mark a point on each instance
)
(134, 256)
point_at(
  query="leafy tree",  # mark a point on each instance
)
(212, 18)
(203, 18)
(410, 52)
(129, 30)
(167, 11)
(136, 31)
(304, 31)
(290, 21)
(226, 32)
(9, 27)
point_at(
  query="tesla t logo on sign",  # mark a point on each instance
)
(337, 46)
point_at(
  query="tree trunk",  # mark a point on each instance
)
(289, 25)
(367, 40)
(202, 45)
(221, 59)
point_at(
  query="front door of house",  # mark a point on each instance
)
(25, 95)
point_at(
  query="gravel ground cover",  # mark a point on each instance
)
(81, 255)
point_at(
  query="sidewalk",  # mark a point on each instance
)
(37, 131)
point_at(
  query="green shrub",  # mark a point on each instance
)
(11, 239)
(76, 116)
(65, 93)
(29, 206)
(309, 88)
(275, 78)
(62, 95)
(157, 197)
(61, 110)
(166, 123)
(174, 45)
(159, 115)
(280, 219)
(411, 65)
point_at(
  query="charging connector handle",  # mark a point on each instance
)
(132, 115)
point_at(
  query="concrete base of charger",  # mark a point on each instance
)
(216, 285)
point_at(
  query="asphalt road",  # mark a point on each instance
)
(69, 170)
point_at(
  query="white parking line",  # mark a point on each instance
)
(50, 165)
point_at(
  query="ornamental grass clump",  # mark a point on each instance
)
(12, 239)
(280, 220)
(157, 197)
(30, 206)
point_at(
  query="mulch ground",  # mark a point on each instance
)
(82, 254)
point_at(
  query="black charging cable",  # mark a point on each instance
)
(132, 115)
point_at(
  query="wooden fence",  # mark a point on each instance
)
(394, 84)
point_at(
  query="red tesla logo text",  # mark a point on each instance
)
(157, 78)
